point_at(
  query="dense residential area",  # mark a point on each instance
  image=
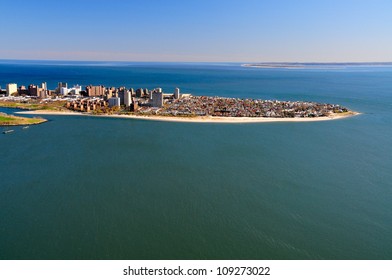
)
(235, 107)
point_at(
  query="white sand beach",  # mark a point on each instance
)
(208, 119)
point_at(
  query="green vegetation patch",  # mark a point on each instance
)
(6, 120)
(56, 105)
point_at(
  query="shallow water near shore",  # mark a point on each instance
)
(81, 187)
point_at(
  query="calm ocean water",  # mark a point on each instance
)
(97, 188)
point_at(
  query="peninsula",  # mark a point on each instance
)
(157, 105)
(10, 120)
(324, 65)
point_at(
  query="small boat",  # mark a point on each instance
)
(8, 131)
(25, 127)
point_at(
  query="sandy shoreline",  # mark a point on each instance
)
(195, 119)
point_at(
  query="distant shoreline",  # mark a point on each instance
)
(197, 119)
(310, 65)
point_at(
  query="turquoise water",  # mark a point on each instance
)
(97, 188)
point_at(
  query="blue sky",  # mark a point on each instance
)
(197, 30)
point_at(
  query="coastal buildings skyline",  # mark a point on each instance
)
(103, 100)
(199, 31)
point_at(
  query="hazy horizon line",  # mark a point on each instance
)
(196, 62)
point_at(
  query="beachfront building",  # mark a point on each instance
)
(127, 98)
(139, 92)
(177, 93)
(134, 105)
(111, 92)
(32, 90)
(61, 85)
(42, 93)
(75, 90)
(64, 91)
(114, 102)
(121, 93)
(62, 88)
(157, 98)
(95, 90)
(12, 89)
(22, 90)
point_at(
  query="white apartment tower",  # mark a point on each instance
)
(11, 89)
(127, 98)
(177, 93)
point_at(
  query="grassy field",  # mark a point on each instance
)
(6, 120)
(57, 106)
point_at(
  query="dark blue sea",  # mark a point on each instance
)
(99, 188)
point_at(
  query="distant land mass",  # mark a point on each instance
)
(316, 65)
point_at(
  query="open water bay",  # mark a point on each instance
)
(100, 188)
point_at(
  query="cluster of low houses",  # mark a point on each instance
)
(236, 107)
